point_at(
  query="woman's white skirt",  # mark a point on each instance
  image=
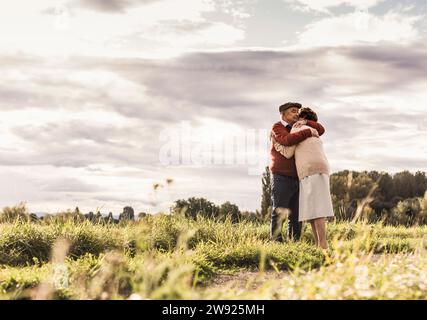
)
(315, 197)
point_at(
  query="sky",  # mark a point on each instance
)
(108, 103)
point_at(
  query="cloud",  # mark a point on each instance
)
(404, 60)
(78, 144)
(324, 5)
(143, 28)
(106, 130)
(201, 33)
(69, 185)
(84, 104)
(125, 200)
(109, 6)
(238, 9)
(360, 27)
(145, 89)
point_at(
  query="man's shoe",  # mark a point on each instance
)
(280, 240)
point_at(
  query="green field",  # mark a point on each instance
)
(171, 257)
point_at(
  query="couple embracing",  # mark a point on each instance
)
(300, 174)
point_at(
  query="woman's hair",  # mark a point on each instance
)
(307, 114)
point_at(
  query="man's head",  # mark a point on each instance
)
(289, 112)
(307, 114)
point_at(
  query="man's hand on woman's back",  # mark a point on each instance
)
(300, 123)
(314, 133)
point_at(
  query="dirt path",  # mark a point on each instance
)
(245, 279)
(254, 279)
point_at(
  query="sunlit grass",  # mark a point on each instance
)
(171, 257)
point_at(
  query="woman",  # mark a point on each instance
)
(315, 203)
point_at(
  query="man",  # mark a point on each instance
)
(285, 183)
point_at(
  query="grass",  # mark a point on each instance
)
(25, 243)
(171, 257)
(399, 276)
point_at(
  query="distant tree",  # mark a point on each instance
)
(374, 175)
(98, 217)
(266, 201)
(360, 187)
(420, 183)
(110, 218)
(142, 215)
(423, 207)
(383, 196)
(230, 210)
(16, 213)
(339, 183)
(250, 216)
(404, 185)
(90, 216)
(196, 206)
(386, 187)
(407, 212)
(127, 214)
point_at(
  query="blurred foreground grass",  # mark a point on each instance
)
(171, 257)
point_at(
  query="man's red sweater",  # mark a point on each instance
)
(279, 163)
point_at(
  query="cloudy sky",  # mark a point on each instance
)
(102, 99)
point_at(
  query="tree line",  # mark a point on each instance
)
(399, 199)
(377, 196)
(20, 212)
(193, 207)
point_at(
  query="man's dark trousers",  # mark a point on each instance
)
(285, 195)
